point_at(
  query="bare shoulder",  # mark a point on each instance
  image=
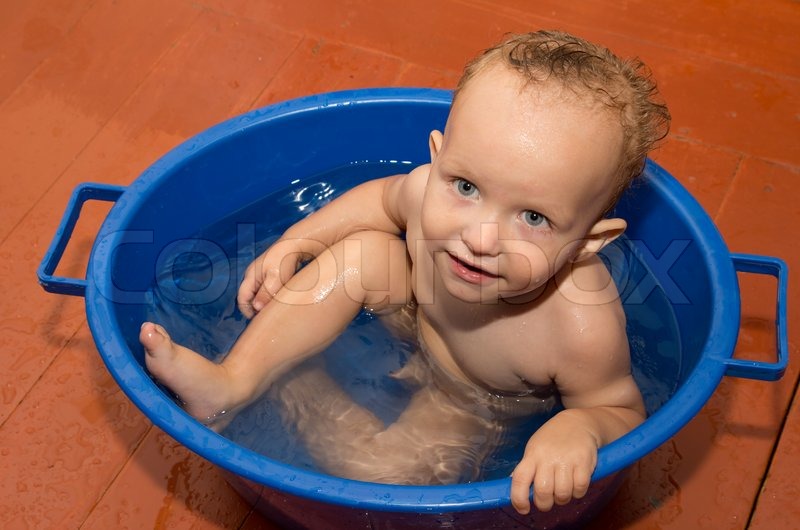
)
(592, 323)
(403, 194)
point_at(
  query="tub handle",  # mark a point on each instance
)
(765, 371)
(82, 193)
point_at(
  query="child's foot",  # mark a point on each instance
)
(204, 387)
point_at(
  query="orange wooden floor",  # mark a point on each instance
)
(96, 90)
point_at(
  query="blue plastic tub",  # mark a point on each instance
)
(219, 172)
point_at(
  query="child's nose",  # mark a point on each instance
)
(482, 239)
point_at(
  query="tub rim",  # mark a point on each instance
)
(164, 413)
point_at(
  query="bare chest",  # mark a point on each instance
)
(510, 355)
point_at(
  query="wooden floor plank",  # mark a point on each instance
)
(31, 31)
(321, 66)
(706, 171)
(416, 75)
(758, 37)
(164, 485)
(68, 98)
(66, 441)
(774, 508)
(441, 37)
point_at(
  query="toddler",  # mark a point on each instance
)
(491, 251)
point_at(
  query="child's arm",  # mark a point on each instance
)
(561, 455)
(602, 402)
(379, 204)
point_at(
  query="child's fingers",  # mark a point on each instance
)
(521, 481)
(563, 485)
(247, 291)
(270, 284)
(543, 485)
(246, 309)
(581, 478)
(262, 279)
(551, 485)
(268, 273)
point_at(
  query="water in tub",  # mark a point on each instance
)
(195, 295)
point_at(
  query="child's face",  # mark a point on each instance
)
(517, 185)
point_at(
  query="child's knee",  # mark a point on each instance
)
(376, 268)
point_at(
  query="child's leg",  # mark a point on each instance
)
(325, 417)
(434, 441)
(312, 309)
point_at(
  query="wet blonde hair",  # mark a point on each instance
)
(624, 86)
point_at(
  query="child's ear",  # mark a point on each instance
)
(435, 143)
(600, 234)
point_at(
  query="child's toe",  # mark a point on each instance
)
(154, 338)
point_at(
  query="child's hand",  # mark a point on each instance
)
(559, 461)
(269, 273)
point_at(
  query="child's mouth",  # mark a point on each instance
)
(468, 272)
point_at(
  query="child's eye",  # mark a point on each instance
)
(465, 188)
(534, 218)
